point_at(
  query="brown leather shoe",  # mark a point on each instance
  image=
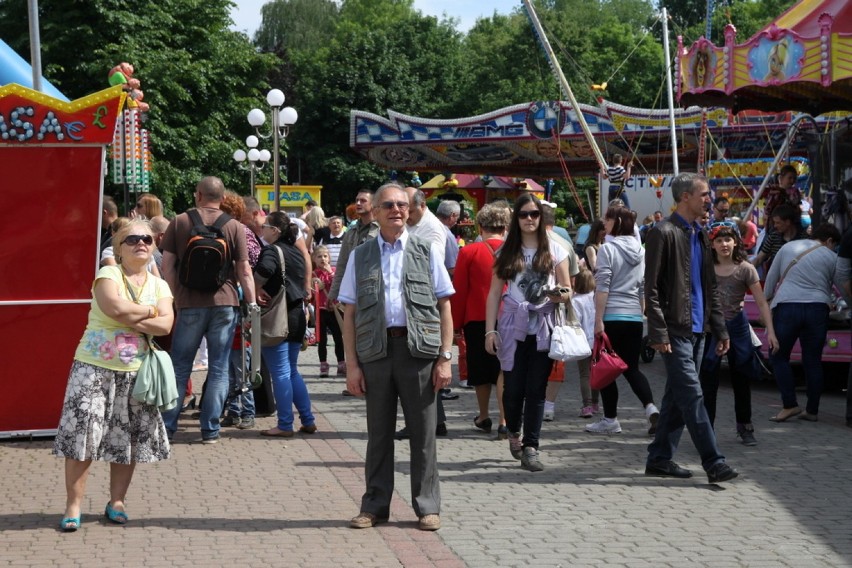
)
(429, 523)
(276, 433)
(366, 520)
(308, 429)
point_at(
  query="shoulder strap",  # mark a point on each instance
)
(221, 220)
(195, 218)
(795, 261)
(281, 261)
(493, 253)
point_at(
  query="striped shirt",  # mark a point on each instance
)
(615, 174)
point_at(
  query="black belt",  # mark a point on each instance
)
(397, 331)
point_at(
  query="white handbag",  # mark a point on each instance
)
(568, 340)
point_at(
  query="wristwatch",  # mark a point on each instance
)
(448, 355)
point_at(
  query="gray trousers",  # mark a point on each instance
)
(399, 376)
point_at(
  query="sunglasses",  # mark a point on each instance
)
(714, 227)
(534, 214)
(388, 205)
(134, 240)
(268, 226)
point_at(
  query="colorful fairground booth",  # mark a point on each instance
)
(53, 160)
(490, 152)
(800, 64)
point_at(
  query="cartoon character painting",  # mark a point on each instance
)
(774, 61)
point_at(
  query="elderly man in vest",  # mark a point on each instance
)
(397, 334)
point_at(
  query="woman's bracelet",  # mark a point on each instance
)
(487, 333)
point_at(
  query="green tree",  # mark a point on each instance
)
(409, 64)
(199, 77)
(296, 24)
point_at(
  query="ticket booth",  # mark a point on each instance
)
(52, 167)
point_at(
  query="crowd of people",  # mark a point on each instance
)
(394, 290)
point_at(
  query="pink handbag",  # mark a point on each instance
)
(605, 365)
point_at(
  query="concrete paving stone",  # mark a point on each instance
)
(592, 506)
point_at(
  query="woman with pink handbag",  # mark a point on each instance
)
(619, 305)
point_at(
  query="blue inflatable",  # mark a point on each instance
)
(14, 69)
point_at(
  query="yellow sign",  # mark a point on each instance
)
(293, 197)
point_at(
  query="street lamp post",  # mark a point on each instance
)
(282, 120)
(252, 157)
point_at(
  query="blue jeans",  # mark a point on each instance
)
(242, 405)
(683, 405)
(742, 363)
(809, 324)
(217, 325)
(618, 191)
(287, 384)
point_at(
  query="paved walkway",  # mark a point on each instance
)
(271, 502)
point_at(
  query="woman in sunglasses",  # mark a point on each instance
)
(530, 276)
(288, 386)
(733, 278)
(100, 420)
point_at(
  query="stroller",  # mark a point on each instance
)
(247, 340)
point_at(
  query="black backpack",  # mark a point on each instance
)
(206, 264)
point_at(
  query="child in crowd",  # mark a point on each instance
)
(618, 176)
(584, 307)
(733, 278)
(323, 277)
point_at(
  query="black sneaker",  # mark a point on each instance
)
(246, 423)
(746, 435)
(667, 468)
(721, 472)
(229, 421)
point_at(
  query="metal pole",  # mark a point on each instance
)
(35, 44)
(551, 56)
(251, 180)
(675, 165)
(276, 176)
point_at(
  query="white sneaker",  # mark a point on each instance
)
(548, 415)
(549, 410)
(604, 426)
(652, 413)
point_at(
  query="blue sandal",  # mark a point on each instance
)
(69, 524)
(117, 517)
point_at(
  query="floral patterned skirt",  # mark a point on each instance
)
(102, 421)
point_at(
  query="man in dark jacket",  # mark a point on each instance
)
(682, 304)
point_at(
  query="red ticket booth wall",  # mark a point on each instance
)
(51, 183)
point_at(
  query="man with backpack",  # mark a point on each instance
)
(204, 256)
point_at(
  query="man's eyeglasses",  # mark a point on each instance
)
(534, 214)
(388, 205)
(133, 240)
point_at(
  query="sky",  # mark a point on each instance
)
(246, 14)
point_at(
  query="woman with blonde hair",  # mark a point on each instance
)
(148, 206)
(316, 220)
(100, 419)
